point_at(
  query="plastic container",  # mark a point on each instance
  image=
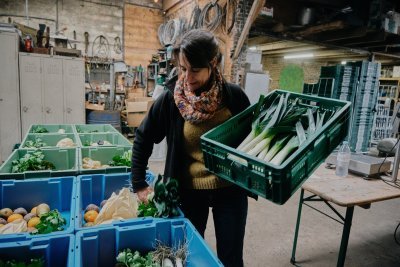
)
(104, 155)
(115, 139)
(93, 189)
(95, 128)
(51, 140)
(58, 193)
(275, 183)
(343, 160)
(55, 250)
(53, 128)
(100, 247)
(65, 161)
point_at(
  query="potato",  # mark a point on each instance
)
(29, 216)
(103, 203)
(5, 212)
(21, 211)
(42, 209)
(92, 207)
(2, 221)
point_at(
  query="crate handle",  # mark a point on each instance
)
(237, 159)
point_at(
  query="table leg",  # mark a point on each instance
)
(296, 233)
(345, 236)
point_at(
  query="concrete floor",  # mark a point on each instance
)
(270, 231)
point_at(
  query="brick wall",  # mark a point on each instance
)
(237, 70)
(274, 66)
(97, 17)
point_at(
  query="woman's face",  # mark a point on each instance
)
(195, 77)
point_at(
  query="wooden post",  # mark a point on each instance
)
(254, 11)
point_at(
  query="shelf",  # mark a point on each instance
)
(390, 79)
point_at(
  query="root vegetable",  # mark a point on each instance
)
(2, 221)
(29, 216)
(34, 210)
(92, 207)
(33, 222)
(103, 203)
(42, 209)
(6, 212)
(14, 217)
(21, 211)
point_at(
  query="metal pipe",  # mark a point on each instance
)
(23, 16)
(57, 16)
(26, 12)
(395, 169)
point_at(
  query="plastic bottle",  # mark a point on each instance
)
(343, 160)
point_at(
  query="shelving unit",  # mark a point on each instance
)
(388, 97)
(157, 72)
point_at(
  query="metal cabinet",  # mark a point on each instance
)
(10, 127)
(74, 92)
(52, 90)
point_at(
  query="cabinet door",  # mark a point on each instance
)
(74, 91)
(53, 102)
(30, 91)
(10, 127)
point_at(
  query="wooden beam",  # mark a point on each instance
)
(254, 11)
(280, 45)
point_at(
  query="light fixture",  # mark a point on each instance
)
(294, 56)
(344, 62)
(253, 48)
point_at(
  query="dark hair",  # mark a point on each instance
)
(200, 47)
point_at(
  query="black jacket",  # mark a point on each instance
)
(165, 120)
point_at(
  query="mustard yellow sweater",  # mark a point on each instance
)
(196, 175)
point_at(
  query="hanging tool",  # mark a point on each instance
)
(86, 42)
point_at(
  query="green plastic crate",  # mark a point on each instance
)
(116, 139)
(95, 128)
(104, 155)
(53, 128)
(64, 159)
(275, 183)
(51, 140)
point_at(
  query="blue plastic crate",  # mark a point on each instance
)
(59, 193)
(99, 247)
(55, 250)
(94, 188)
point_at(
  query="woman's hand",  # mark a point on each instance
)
(143, 193)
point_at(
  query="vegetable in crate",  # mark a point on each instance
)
(164, 202)
(129, 259)
(32, 263)
(38, 143)
(39, 129)
(31, 161)
(124, 160)
(50, 222)
(273, 138)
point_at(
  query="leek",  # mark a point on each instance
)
(289, 147)
(276, 148)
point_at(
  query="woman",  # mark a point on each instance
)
(199, 100)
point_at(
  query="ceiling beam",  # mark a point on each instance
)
(305, 48)
(280, 45)
(254, 11)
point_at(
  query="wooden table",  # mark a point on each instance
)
(347, 192)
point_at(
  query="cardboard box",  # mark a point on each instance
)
(94, 106)
(135, 92)
(136, 109)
